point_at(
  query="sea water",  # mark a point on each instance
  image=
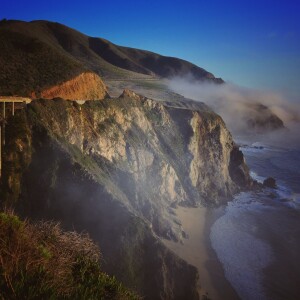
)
(247, 237)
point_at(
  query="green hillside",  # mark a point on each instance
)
(39, 54)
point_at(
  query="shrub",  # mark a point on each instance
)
(40, 261)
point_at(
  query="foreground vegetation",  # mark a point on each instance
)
(40, 261)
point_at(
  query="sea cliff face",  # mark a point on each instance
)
(117, 168)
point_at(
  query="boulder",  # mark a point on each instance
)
(270, 182)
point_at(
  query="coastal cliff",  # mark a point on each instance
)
(117, 168)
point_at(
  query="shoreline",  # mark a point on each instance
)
(197, 251)
(281, 278)
(215, 268)
(280, 225)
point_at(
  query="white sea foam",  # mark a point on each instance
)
(235, 236)
(242, 254)
(295, 203)
(257, 177)
(250, 150)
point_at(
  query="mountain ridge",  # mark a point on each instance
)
(39, 54)
(114, 167)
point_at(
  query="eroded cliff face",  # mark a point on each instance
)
(86, 86)
(117, 168)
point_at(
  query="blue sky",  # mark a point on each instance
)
(251, 43)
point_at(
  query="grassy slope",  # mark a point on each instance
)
(29, 63)
(40, 261)
(38, 54)
(111, 60)
(164, 66)
(147, 62)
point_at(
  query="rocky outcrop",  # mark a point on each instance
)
(238, 169)
(270, 182)
(261, 118)
(86, 86)
(117, 168)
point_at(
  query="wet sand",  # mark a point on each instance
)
(197, 251)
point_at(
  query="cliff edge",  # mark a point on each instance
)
(117, 168)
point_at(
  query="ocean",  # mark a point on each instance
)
(257, 239)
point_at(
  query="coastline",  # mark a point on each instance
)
(281, 278)
(280, 225)
(197, 251)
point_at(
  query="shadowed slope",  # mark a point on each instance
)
(40, 54)
(147, 62)
(40, 261)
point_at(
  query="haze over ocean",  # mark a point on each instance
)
(251, 43)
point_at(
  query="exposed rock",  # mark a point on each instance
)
(270, 182)
(116, 168)
(239, 171)
(261, 118)
(132, 95)
(86, 86)
(149, 150)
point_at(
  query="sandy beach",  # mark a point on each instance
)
(197, 251)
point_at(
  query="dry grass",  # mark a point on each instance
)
(41, 261)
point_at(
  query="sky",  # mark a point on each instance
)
(252, 43)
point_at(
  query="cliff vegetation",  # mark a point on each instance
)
(40, 261)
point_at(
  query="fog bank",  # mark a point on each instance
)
(238, 105)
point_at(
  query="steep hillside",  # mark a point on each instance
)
(32, 62)
(38, 55)
(117, 168)
(49, 60)
(147, 62)
(40, 261)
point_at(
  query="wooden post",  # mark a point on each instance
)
(3, 133)
(13, 108)
(0, 151)
(3, 124)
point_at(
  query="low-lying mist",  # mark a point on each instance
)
(239, 106)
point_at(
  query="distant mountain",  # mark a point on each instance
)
(147, 62)
(39, 55)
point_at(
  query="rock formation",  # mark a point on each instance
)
(270, 182)
(86, 86)
(261, 118)
(117, 168)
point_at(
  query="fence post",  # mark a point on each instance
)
(0, 151)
